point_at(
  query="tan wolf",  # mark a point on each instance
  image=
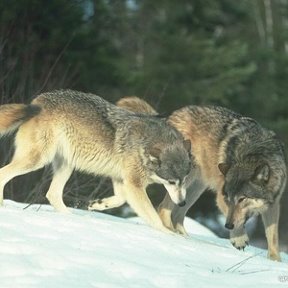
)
(79, 131)
(241, 161)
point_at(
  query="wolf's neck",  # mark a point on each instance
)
(243, 136)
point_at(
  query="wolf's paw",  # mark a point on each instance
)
(181, 230)
(240, 242)
(166, 230)
(274, 256)
(97, 204)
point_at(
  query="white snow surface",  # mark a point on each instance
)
(43, 248)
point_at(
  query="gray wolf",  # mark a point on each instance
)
(236, 157)
(78, 131)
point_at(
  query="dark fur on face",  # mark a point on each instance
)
(249, 188)
(174, 164)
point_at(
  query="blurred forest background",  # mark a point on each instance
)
(171, 53)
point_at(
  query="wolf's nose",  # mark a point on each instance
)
(182, 204)
(229, 226)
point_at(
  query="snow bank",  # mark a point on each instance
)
(43, 248)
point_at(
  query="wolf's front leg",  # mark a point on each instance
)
(270, 219)
(111, 202)
(137, 198)
(106, 203)
(170, 212)
(238, 238)
(165, 212)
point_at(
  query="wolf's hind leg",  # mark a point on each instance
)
(111, 202)
(15, 168)
(270, 219)
(55, 193)
(25, 160)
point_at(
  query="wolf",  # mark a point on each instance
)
(80, 131)
(240, 160)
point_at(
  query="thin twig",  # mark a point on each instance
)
(241, 263)
(254, 272)
(54, 65)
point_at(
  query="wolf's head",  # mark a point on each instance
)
(251, 186)
(171, 166)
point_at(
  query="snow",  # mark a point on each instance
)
(43, 248)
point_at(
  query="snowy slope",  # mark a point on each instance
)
(42, 248)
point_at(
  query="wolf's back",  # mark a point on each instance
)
(137, 105)
(13, 115)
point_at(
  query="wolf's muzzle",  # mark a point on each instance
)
(229, 226)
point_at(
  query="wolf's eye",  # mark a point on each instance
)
(171, 182)
(241, 199)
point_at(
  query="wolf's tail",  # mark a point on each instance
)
(137, 105)
(13, 115)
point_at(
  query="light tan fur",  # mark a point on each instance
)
(79, 131)
(131, 102)
(12, 116)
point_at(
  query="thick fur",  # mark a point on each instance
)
(129, 103)
(13, 115)
(78, 131)
(241, 161)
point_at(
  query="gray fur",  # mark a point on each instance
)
(236, 157)
(254, 167)
(80, 131)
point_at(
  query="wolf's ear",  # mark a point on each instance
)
(223, 167)
(262, 173)
(154, 154)
(187, 145)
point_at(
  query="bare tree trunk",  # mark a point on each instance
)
(259, 21)
(269, 24)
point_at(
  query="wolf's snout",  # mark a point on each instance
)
(177, 194)
(182, 204)
(229, 226)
